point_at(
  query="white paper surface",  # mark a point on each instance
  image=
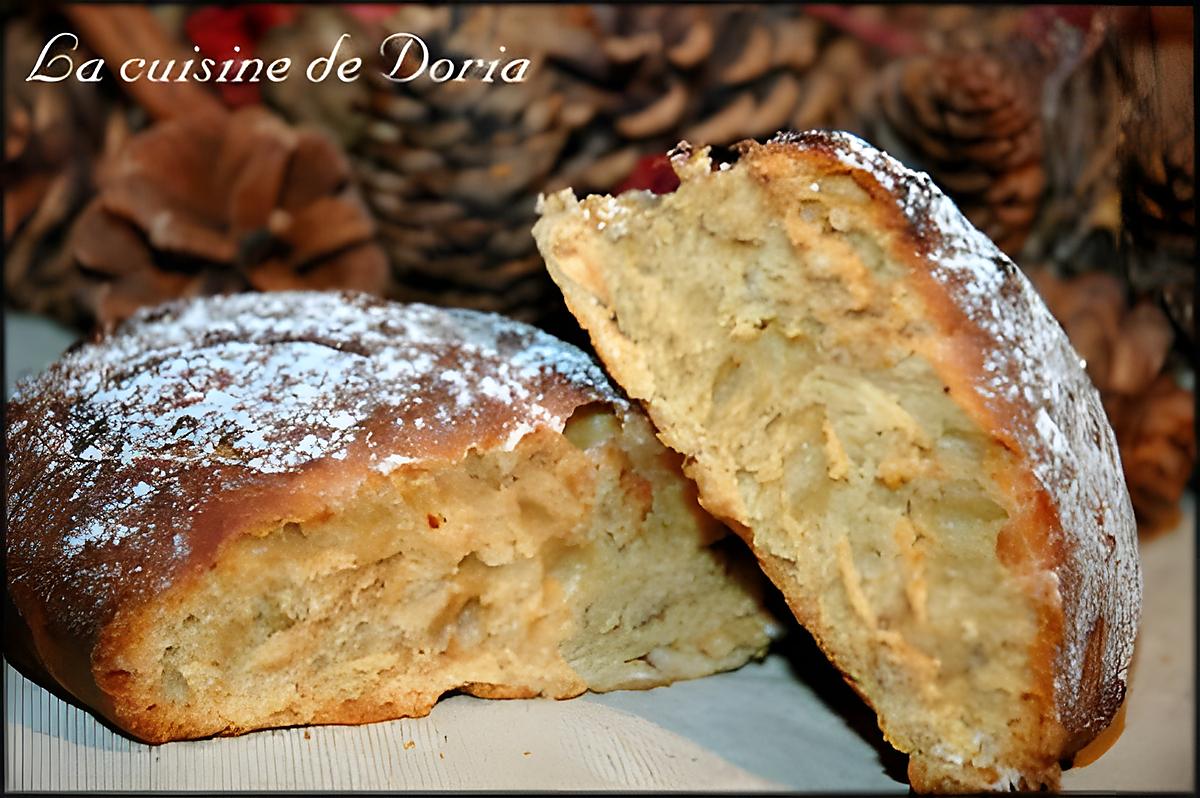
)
(786, 723)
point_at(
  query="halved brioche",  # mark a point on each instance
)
(267, 510)
(877, 400)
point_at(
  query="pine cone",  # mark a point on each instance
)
(1119, 122)
(969, 119)
(1159, 163)
(1158, 158)
(54, 133)
(1079, 223)
(719, 74)
(452, 170)
(221, 202)
(1126, 350)
(331, 105)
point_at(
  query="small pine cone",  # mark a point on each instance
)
(968, 119)
(220, 202)
(1126, 351)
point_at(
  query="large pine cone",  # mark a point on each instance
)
(971, 121)
(452, 170)
(719, 74)
(1126, 349)
(215, 203)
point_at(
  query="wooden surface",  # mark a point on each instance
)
(786, 723)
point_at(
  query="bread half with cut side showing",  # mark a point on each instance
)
(267, 510)
(876, 399)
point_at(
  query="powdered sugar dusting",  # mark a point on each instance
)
(194, 397)
(1060, 423)
(393, 461)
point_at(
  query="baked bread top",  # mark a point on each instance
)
(134, 456)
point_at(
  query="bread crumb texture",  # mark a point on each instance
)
(866, 389)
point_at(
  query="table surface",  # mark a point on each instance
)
(786, 723)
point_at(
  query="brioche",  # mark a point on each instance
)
(875, 398)
(268, 510)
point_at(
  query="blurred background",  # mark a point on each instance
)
(1064, 132)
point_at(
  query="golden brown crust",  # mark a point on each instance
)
(133, 459)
